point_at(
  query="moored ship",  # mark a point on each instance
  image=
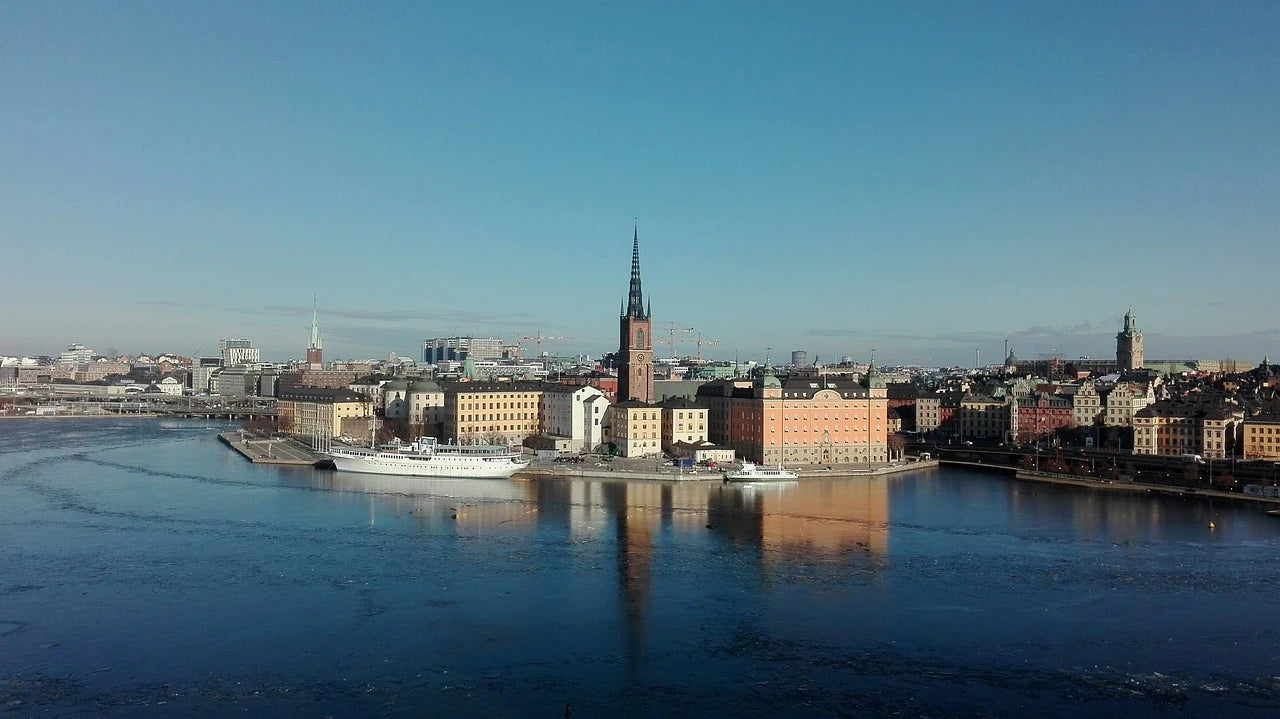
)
(425, 458)
(751, 473)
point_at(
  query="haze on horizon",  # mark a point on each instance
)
(925, 180)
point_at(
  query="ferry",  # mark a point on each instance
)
(423, 457)
(751, 473)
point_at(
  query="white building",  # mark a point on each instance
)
(1125, 400)
(1086, 405)
(170, 386)
(238, 351)
(573, 413)
(76, 354)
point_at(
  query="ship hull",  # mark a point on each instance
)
(435, 466)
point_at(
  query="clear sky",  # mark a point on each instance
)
(925, 179)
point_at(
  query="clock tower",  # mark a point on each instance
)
(635, 338)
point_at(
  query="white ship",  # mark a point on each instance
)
(424, 458)
(751, 473)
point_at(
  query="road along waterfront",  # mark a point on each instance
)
(148, 570)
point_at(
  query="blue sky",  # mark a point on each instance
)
(925, 179)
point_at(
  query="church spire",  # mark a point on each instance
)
(635, 297)
(315, 327)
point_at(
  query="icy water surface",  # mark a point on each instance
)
(145, 569)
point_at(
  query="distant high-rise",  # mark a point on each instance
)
(457, 349)
(635, 338)
(1129, 345)
(315, 351)
(799, 358)
(238, 351)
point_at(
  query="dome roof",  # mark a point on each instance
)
(425, 385)
(396, 385)
(768, 382)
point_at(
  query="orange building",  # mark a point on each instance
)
(809, 420)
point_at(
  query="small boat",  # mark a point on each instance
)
(1273, 513)
(751, 473)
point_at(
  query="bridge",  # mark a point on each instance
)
(207, 407)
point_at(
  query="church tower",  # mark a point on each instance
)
(1129, 345)
(315, 354)
(635, 338)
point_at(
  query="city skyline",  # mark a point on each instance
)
(926, 181)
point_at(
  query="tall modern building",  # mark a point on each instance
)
(457, 349)
(315, 351)
(635, 338)
(238, 351)
(1129, 345)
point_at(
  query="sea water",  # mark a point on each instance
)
(146, 569)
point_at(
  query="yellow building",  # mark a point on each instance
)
(634, 428)
(1261, 437)
(318, 412)
(491, 412)
(682, 421)
(1174, 427)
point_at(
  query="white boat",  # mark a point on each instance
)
(751, 473)
(425, 458)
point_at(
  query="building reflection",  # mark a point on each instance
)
(839, 516)
(824, 516)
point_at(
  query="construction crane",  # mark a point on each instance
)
(538, 339)
(705, 341)
(670, 341)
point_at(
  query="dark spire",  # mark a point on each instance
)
(635, 298)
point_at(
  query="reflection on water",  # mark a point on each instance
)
(143, 566)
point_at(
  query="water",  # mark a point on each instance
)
(145, 569)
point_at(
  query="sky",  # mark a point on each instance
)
(926, 180)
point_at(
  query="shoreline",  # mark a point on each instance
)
(108, 415)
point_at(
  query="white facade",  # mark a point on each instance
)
(238, 351)
(573, 413)
(1086, 405)
(1124, 401)
(76, 354)
(170, 386)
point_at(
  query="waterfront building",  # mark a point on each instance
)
(1129, 353)
(983, 417)
(1204, 426)
(202, 371)
(491, 412)
(572, 417)
(635, 338)
(320, 412)
(1123, 402)
(1039, 415)
(683, 420)
(236, 381)
(458, 349)
(238, 350)
(1087, 405)
(170, 386)
(812, 420)
(1260, 437)
(717, 396)
(634, 428)
(938, 412)
(420, 402)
